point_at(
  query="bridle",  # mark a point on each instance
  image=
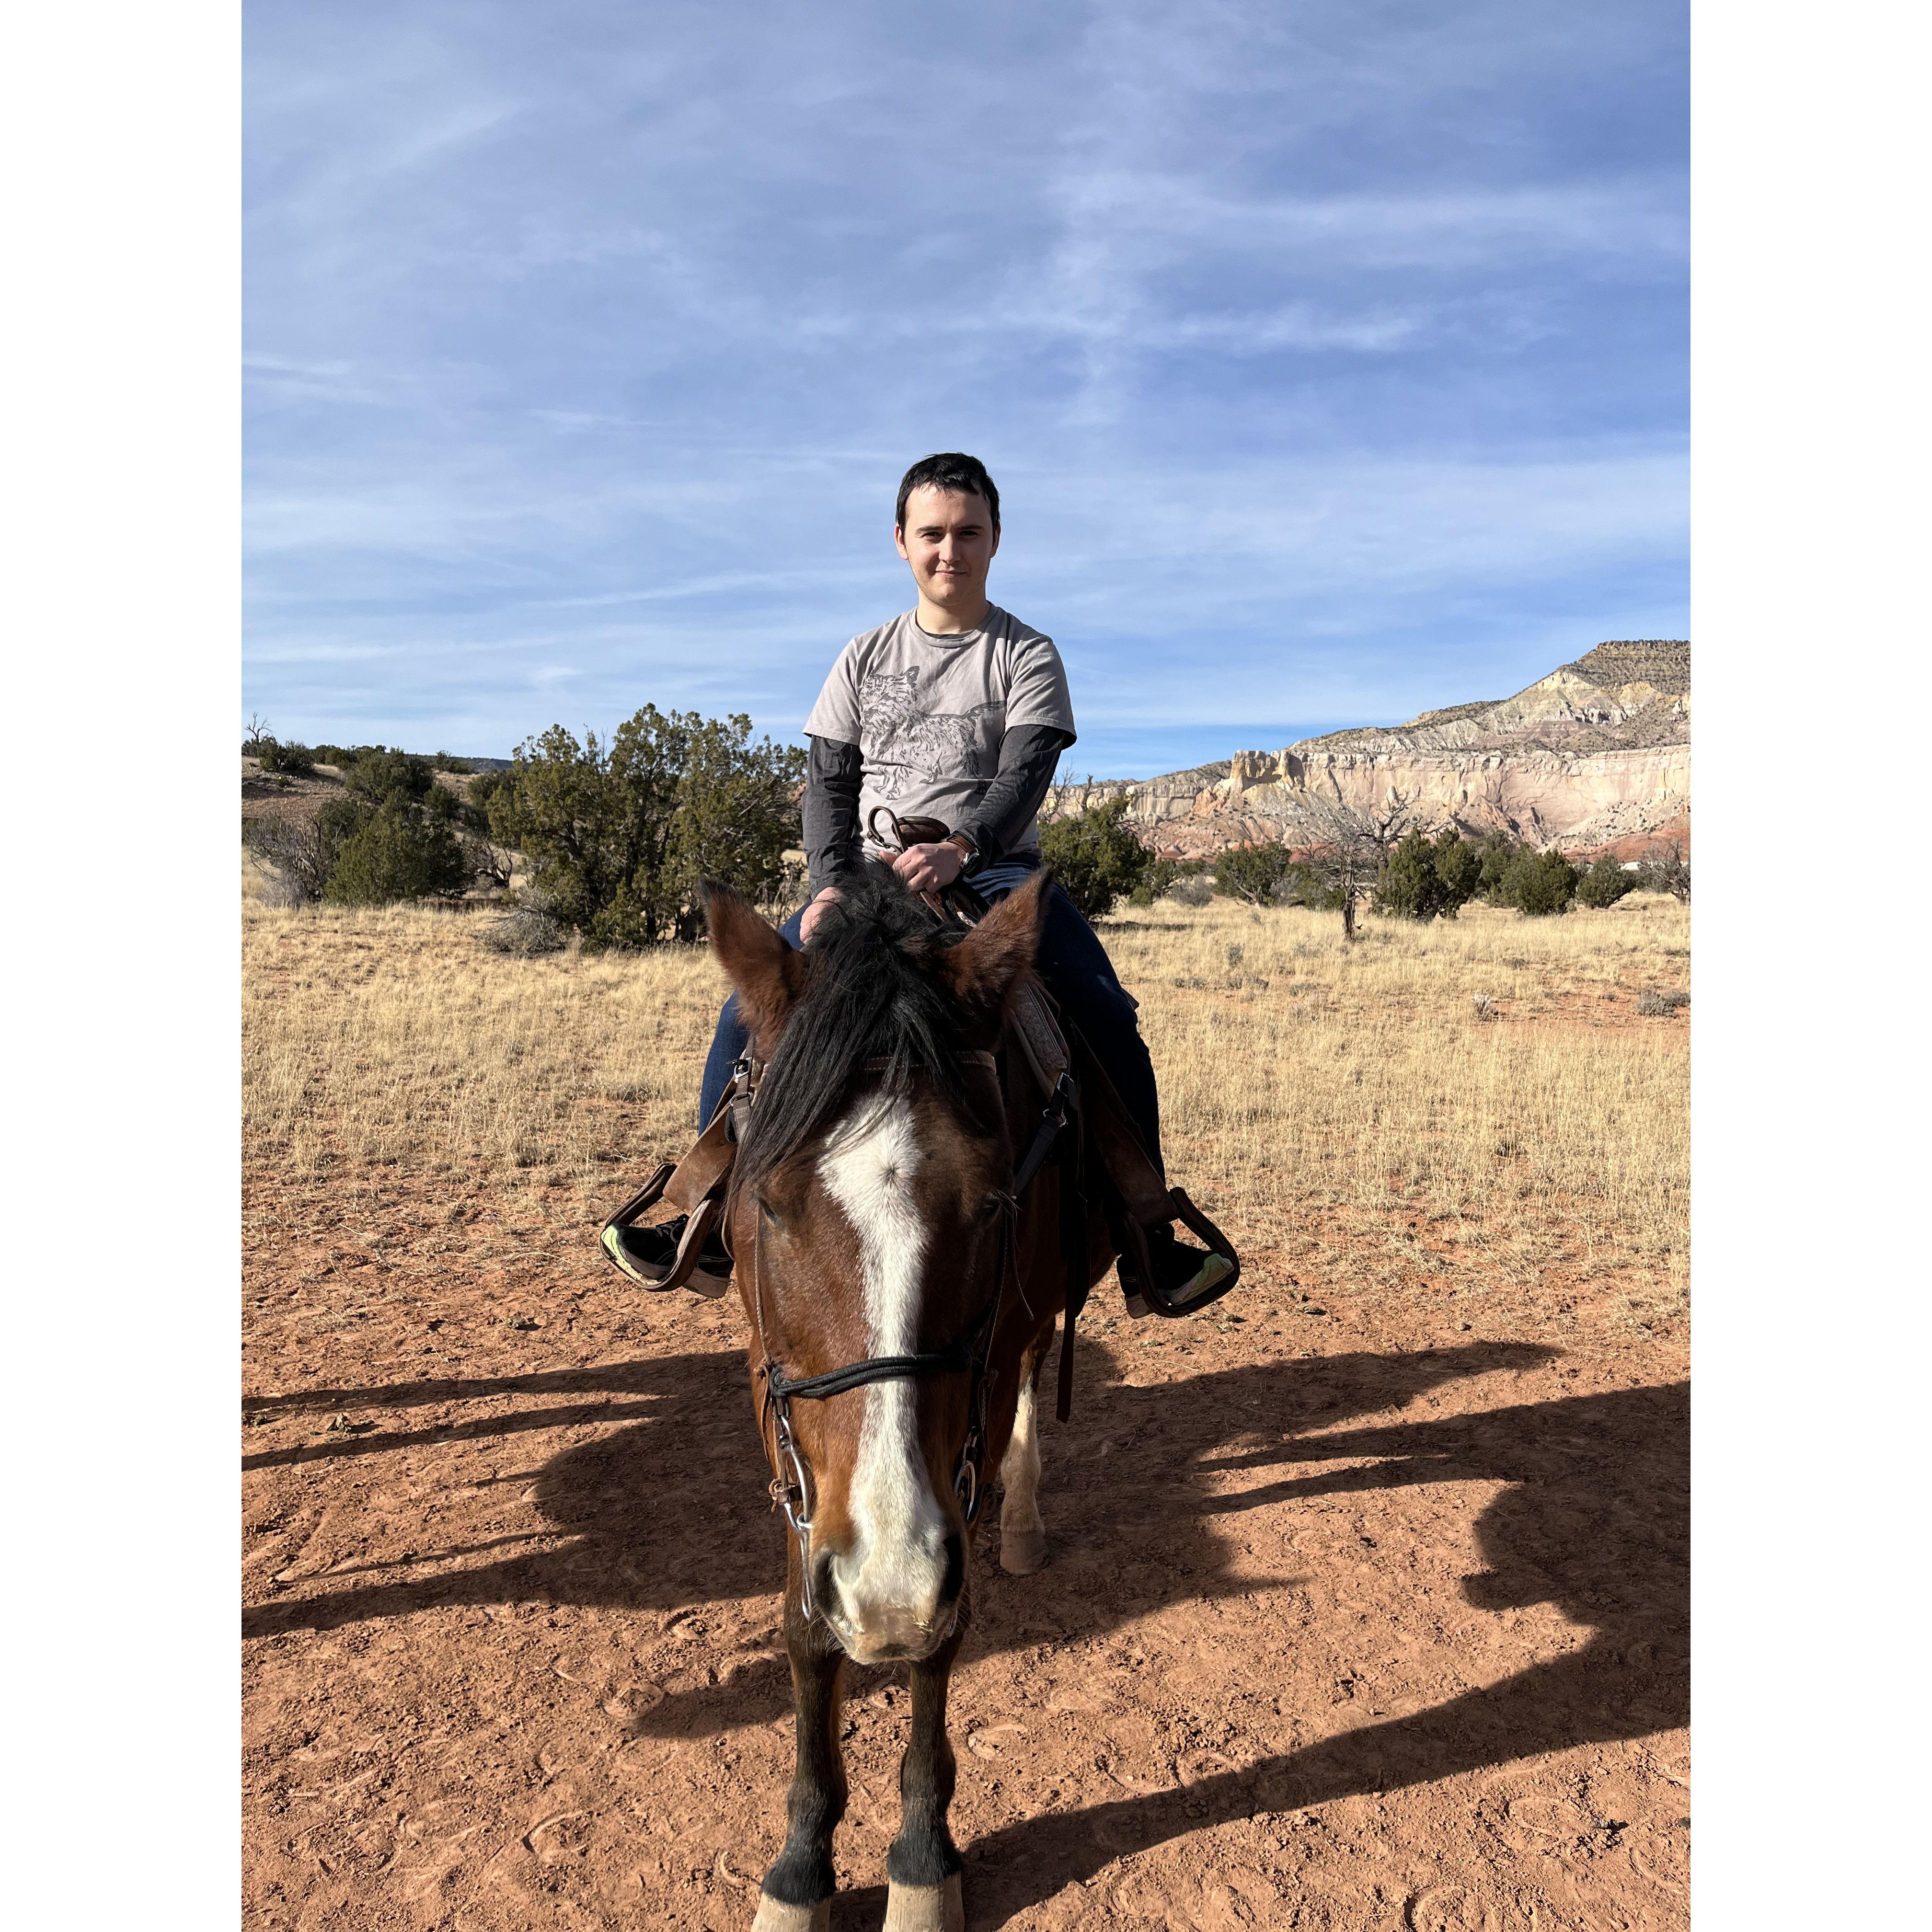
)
(791, 1486)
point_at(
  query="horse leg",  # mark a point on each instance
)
(923, 1864)
(796, 1895)
(1022, 1534)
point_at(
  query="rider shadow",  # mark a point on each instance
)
(671, 1512)
(1120, 1479)
(1596, 1521)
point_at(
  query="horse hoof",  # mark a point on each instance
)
(776, 1916)
(1022, 1551)
(926, 1908)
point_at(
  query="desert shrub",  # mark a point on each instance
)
(1668, 870)
(1495, 855)
(378, 775)
(301, 851)
(343, 756)
(1162, 875)
(1194, 889)
(1254, 873)
(444, 762)
(482, 788)
(1310, 882)
(1655, 1006)
(525, 932)
(619, 835)
(294, 761)
(400, 851)
(1539, 884)
(1458, 864)
(1410, 885)
(1605, 882)
(1096, 860)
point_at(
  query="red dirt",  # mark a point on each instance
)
(1359, 1619)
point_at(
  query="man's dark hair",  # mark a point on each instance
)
(951, 469)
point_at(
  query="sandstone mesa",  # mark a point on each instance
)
(1596, 754)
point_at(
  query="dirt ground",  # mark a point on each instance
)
(1360, 1614)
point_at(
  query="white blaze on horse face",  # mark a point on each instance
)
(889, 1583)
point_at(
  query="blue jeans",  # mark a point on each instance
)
(1078, 974)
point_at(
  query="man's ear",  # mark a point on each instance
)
(985, 968)
(764, 971)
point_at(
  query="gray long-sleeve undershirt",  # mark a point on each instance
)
(1027, 758)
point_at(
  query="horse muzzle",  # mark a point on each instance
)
(895, 1612)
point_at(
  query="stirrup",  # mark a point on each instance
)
(682, 1270)
(1139, 1280)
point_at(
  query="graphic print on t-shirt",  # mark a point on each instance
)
(905, 744)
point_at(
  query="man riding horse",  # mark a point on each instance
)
(955, 713)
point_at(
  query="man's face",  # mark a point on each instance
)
(949, 539)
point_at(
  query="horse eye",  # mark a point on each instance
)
(770, 1219)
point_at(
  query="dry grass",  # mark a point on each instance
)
(1314, 1086)
(1346, 1109)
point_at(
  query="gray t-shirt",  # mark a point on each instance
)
(928, 712)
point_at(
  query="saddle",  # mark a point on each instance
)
(1084, 1127)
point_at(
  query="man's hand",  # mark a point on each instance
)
(930, 868)
(816, 910)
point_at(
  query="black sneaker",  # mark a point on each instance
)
(647, 1254)
(1185, 1277)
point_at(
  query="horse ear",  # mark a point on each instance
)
(764, 971)
(985, 968)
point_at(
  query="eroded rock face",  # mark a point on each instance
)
(1597, 752)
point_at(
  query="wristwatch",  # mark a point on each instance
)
(963, 841)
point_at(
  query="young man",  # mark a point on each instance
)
(954, 710)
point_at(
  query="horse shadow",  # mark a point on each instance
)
(670, 1511)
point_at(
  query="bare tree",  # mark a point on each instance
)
(300, 850)
(489, 865)
(1667, 871)
(259, 732)
(1350, 846)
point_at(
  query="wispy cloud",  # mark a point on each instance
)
(1334, 357)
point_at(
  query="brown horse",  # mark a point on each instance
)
(901, 1300)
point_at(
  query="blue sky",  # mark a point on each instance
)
(1331, 358)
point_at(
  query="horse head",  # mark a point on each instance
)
(869, 1218)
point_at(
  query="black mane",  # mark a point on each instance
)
(870, 994)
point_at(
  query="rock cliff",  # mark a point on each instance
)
(1597, 754)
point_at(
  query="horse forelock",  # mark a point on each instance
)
(871, 993)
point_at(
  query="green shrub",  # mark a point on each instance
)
(294, 761)
(343, 756)
(377, 775)
(1410, 885)
(1254, 873)
(1096, 860)
(1162, 875)
(1459, 864)
(1605, 882)
(400, 851)
(1495, 854)
(618, 835)
(1539, 884)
